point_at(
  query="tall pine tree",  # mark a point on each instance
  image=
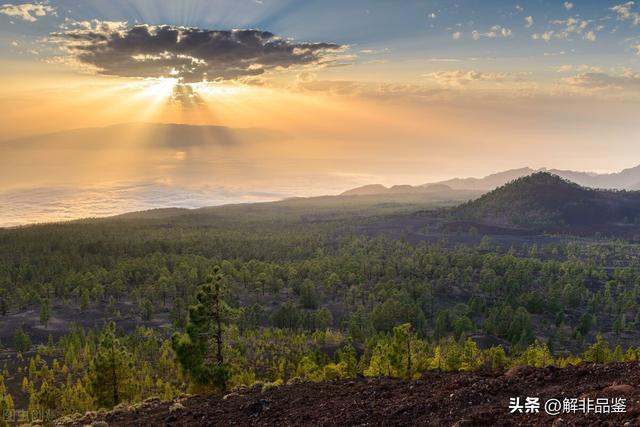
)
(110, 371)
(200, 349)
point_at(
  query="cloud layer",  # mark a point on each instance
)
(629, 80)
(455, 78)
(45, 204)
(185, 53)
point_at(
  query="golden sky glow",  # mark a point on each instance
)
(339, 104)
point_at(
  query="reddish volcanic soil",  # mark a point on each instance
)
(437, 399)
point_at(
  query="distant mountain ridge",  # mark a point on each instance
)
(168, 135)
(378, 189)
(489, 182)
(627, 179)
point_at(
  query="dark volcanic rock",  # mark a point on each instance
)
(437, 399)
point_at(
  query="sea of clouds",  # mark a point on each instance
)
(64, 203)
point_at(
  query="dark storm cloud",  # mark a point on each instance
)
(190, 54)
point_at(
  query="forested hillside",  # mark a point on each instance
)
(290, 297)
(547, 202)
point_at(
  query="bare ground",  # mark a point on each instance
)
(437, 399)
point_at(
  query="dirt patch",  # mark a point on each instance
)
(64, 315)
(437, 399)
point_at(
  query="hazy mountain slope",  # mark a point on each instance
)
(488, 182)
(366, 190)
(378, 189)
(625, 179)
(168, 135)
(312, 208)
(543, 200)
(628, 179)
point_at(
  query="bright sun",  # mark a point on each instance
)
(159, 89)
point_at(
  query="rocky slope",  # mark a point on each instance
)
(437, 399)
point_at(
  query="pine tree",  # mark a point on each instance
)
(497, 357)
(45, 312)
(471, 356)
(402, 351)
(379, 364)
(21, 340)
(84, 300)
(110, 370)
(48, 398)
(348, 356)
(4, 304)
(178, 314)
(308, 295)
(200, 349)
(598, 352)
(6, 404)
(537, 355)
(146, 309)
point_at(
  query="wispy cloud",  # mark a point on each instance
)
(628, 80)
(496, 31)
(580, 68)
(547, 35)
(569, 27)
(625, 12)
(456, 78)
(29, 12)
(529, 21)
(559, 53)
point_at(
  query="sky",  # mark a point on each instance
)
(357, 92)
